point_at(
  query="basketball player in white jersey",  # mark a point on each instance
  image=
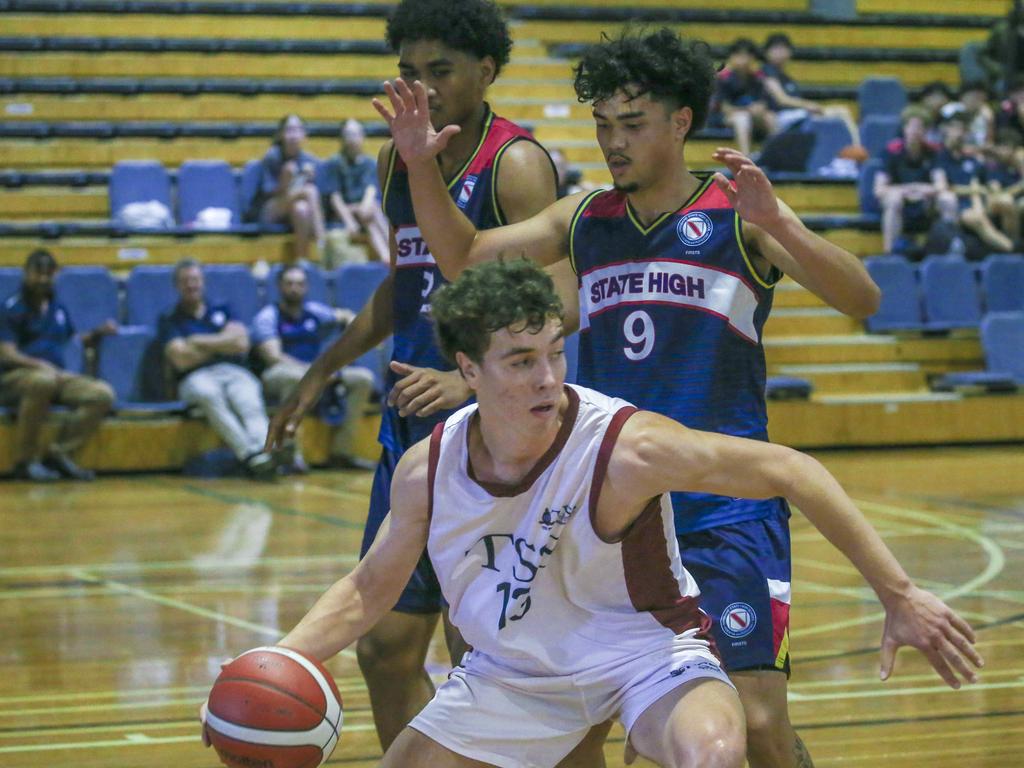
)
(544, 508)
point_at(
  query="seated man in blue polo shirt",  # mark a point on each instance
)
(288, 336)
(34, 330)
(206, 349)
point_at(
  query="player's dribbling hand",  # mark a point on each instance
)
(922, 620)
(411, 129)
(286, 421)
(753, 197)
(425, 391)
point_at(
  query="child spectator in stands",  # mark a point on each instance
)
(964, 204)
(909, 183)
(350, 185)
(288, 336)
(34, 332)
(287, 193)
(784, 95)
(973, 103)
(1004, 172)
(206, 350)
(740, 99)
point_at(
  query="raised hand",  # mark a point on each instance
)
(414, 136)
(753, 197)
(923, 621)
(424, 391)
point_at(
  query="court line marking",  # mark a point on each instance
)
(270, 506)
(172, 565)
(886, 692)
(143, 594)
(873, 680)
(995, 566)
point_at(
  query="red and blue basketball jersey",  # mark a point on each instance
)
(474, 190)
(671, 316)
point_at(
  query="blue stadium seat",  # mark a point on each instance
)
(1002, 281)
(206, 184)
(134, 181)
(830, 136)
(10, 281)
(950, 293)
(1002, 338)
(234, 285)
(866, 188)
(788, 388)
(149, 293)
(354, 284)
(74, 355)
(881, 96)
(248, 189)
(315, 278)
(876, 131)
(90, 295)
(131, 362)
(900, 308)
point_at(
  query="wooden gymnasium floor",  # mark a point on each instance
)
(119, 599)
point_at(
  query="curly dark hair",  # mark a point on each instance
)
(489, 297)
(476, 27)
(669, 68)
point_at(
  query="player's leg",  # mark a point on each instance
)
(771, 740)
(697, 725)
(589, 753)
(412, 749)
(392, 654)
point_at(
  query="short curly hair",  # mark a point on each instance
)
(669, 68)
(476, 27)
(488, 297)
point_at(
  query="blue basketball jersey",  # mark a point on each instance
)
(671, 316)
(474, 190)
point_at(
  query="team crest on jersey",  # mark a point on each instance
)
(466, 192)
(695, 228)
(738, 620)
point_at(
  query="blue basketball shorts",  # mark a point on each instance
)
(422, 594)
(744, 574)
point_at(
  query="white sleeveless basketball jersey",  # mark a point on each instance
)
(528, 580)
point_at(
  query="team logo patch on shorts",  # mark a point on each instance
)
(695, 228)
(738, 620)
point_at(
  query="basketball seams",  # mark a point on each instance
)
(331, 695)
(278, 689)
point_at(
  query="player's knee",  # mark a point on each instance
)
(768, 731)
(719, 742)
(380, 655)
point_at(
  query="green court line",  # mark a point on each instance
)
(280, 509)
(174, 565)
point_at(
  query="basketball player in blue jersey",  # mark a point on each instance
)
(494, 173)
(675, 273)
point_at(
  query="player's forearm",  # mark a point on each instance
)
(822, 500)
(372, 325)
(835, 274)
(339, 618)
(448, 233)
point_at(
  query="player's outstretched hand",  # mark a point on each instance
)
(923, 621)
(414, 136)
(424, 391)
(286, 421)
(753, 197)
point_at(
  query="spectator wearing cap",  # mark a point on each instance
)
(34, 332)
(973, 102)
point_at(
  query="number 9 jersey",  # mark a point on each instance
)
(671, 317)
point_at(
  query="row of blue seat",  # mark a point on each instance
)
(190, 45)
(163, 129)
(1002, 338)
(944, 292)
(92, 295)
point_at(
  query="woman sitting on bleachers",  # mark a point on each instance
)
(287, 193)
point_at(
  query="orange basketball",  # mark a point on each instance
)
(274, 708)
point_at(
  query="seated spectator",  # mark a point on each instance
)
(1011, 109)
(1004, 177)
(972, 101)
(908, 185)
(288, 336)
(569, 177)
(34, 331)
(740, 99)
(784, 94)
(206, 351)
(351, 188)
(965, 202)
(287, 193)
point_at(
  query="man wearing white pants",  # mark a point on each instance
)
(206, 350)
